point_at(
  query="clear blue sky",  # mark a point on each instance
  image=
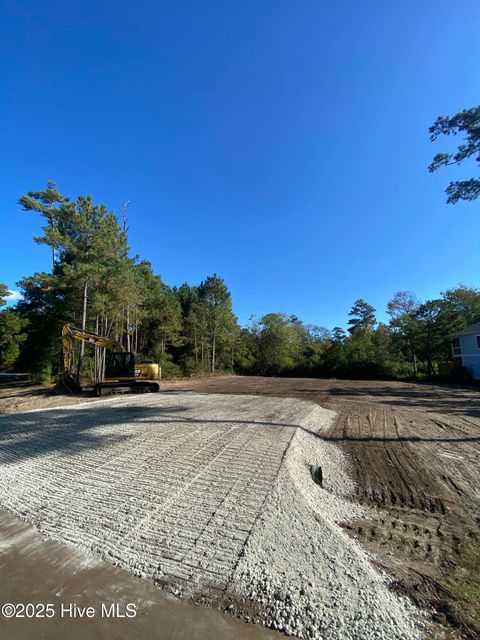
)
(283, 145)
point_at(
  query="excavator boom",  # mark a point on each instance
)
(69, 334)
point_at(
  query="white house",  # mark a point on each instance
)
(466, 345)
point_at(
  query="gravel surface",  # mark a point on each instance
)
(310, 578)
(207, 495)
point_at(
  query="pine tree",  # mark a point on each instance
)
(48, 203)
(4, 293)
(362, 315)
(217, 301)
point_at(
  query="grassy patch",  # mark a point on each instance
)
(467, 590)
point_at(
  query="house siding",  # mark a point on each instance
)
(469, 345)
(470, 349)
(472, 364)
(471, 355)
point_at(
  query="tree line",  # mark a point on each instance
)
(414, 343)
(95, 284)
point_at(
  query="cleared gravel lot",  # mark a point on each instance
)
(149, 481)
(209, 496)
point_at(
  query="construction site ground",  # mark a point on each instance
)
(413, 452)
(39, 570)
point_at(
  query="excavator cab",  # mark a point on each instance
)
(120, 365)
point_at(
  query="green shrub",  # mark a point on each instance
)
(42, 373)
(170, 370)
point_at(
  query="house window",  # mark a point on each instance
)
(478, 342)
(456, 347)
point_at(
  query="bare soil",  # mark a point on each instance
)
(415, 452)
(24, 396)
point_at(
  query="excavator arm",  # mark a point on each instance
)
(69, 334)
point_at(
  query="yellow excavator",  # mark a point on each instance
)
(123, 373)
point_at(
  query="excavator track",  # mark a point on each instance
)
(103, 389)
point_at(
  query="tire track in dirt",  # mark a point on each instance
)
(420, 511)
